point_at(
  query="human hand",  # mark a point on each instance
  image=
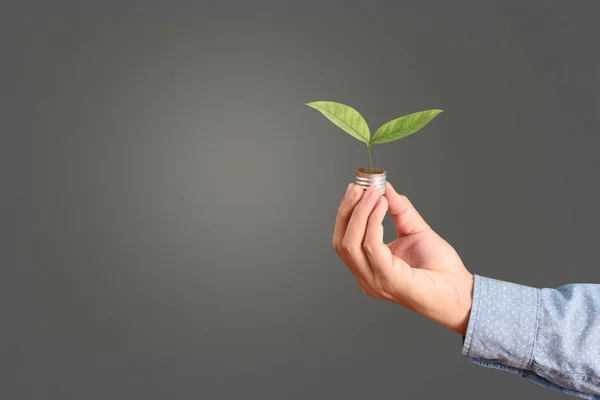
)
(418, 270)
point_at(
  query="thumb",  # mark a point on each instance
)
(406, 218)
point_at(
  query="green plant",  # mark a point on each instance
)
(350, 120)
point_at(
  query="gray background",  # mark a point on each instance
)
(169, 200)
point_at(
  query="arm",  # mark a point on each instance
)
(549, 336)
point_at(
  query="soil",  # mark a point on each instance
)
(371, 170)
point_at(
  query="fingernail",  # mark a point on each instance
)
(350, 193)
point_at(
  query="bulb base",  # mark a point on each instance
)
(366, 177)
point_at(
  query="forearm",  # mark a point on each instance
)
(551, 336)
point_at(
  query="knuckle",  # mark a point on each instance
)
(368, 247)
(346, 246)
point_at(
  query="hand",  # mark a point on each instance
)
(418, 270)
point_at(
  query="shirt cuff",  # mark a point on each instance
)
(503, 322)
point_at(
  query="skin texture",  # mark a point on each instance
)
(418, 270)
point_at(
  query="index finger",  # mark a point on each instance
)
(351, 198)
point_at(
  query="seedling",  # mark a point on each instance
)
(350, 120)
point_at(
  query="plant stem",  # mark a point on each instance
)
(370, 162)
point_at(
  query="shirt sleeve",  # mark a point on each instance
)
(548, 336)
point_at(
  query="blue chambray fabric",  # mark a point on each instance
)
(548, 336)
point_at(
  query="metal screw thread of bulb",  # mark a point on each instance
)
(366, 177)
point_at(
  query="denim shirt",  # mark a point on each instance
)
(548, 336)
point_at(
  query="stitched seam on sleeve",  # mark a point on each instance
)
(529, 360)
(476, 314)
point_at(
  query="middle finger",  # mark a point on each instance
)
(356, 229)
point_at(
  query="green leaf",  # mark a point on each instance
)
(345, 117)
(403, 126)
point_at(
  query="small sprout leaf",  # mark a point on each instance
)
(403, 126)
(345, 117)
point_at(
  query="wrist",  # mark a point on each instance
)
(464, 305)
(452, 306)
